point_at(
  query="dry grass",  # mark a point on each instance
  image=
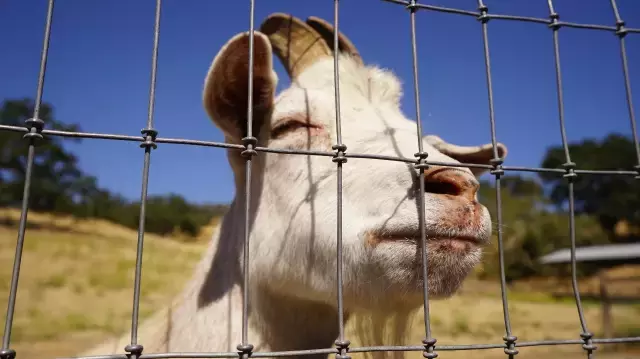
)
(76, 280)
(76, 288)
(475, 316)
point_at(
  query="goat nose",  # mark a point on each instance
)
(450, 181)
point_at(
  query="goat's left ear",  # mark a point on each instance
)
(482, 154)
(226, 87)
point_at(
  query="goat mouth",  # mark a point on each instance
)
(455, 242)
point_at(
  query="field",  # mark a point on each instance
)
(77, 276)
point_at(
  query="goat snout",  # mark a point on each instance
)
(450, 181)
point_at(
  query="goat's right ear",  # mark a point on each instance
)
(226, 86)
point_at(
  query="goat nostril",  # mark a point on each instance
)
(449, 182)
(441, 185)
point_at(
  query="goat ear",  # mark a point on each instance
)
(226, 87)
(482, 154)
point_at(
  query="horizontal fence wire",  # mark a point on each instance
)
(34, 130)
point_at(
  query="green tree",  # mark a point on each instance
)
(170, 213)
(613, 199)
(531, 229)
(55, 174)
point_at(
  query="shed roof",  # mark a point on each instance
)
(609, 252)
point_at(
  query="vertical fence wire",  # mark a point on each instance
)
(428, 342)
(621, 32)
(249, 141)
(570, 176)
(339, 159)
(149, 134)
(497, 171)
(34, 131)
(35, 126)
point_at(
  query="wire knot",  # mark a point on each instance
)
(339, 156)
(429, 348)
(422, 159)
(412, 5)
(571, 173)
(588, 343)
(510, 341)
(554, 24)
(35, 126)
(483, 17)
(621, 31)
(134, 350)
(637, 168)
(245, 348)
(7, 354)
(149, 135)
(249, 143)
(497, 167)
(343, 348)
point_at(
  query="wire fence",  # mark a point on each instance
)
(34, 130)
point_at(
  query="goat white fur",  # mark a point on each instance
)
(292, 269)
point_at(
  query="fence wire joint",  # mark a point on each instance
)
(35, 126)
(343, 348)
(339, 157)
(149, 135)
(7, 354)
(621, 30)
(422, 160)
(249, 143)
(497, 167)
(483, 17)
(245, 350)
(554, 24)
(588, 342)
(429, 348)
(510, 341)
(570, 174)
(412, 6)
(134, 350)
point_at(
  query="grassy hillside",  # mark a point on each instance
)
(76, 287)
(77, 276)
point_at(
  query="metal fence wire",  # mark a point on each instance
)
(34, 130)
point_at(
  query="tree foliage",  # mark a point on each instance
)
(530, 229)
(535, 210)
(612, 199)
(55, 172)
(59, 185)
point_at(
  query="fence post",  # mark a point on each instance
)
(607, 322)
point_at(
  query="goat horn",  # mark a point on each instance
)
(296, 44)
(326, 30)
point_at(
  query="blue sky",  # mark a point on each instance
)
(100, 58)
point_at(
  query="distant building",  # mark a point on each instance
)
(627, 253)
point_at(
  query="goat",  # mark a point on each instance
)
(293, 239)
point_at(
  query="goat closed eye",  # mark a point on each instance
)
(287, 126)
